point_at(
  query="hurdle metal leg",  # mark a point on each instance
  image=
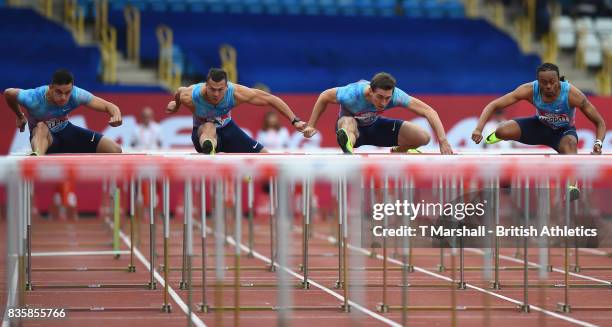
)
(166, 307)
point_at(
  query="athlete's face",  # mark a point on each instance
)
(215, 90)
(60, 94)
(549, 83)
(381, 98)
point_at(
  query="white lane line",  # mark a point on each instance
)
(194, 318)
(427, 272)
(594, 251)
(533, 264)
(325, 289)
(76, 253)
(10, 298)
(312, 282)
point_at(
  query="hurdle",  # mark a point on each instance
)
(346, 272)
(29, 286)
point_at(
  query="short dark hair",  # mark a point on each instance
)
(216, 75)
(548, 67)
(62, 77)
(382, 81)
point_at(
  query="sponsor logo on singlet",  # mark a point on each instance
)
(56, 124)
(553, 119)
(218, 121)
(366, 117)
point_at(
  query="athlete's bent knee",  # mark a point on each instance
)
(569, 146)
(504, 131)
(424, 138)
(115, 148)
(41, 127)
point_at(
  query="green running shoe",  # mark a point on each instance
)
(397, 149)
(343, 141)
(492, 139)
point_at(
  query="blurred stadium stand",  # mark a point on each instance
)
(302, 46)
(310, 53)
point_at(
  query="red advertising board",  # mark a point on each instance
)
(458, 114)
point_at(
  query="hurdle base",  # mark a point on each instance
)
(247, 285)
(98, 309)
(271, 268)
(167, 308)
(339, 284)
(305, 285)
(79, 269)
(382, 308)
(450, 308)
(495, 285)
(274, 308)
(525, 308)
(346, 308)
(152, 285)
(575, 268)
(131, 268)
(461, 285)
(440, 268)
(72, 286)
(183, 285)
(203, 307)
(28, 287)
(564, 308)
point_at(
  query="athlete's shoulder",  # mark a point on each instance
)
(81, 96)
(526, 90)
(32, 97)
(352, 89)
(400, 98)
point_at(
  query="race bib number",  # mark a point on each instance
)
(56, 124)
(554, 119)
(219, 121)
(366, 118)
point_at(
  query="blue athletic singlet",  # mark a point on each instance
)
(206, 112)
(56, 117)
(556, 114)
(353, 102)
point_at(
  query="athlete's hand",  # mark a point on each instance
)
(309, 132)
(300, 126)
(172, 107)
(21, 122)
(115, 120)
(477, 135)
(445, 148)
(596, 149)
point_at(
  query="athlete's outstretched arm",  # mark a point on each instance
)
(10, 95)
(523, 92)
(111, 109)
(175, 105)
(424, 110)
(578, 99)
(326, 97)
(261, 98)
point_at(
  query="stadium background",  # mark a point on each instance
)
(455, 55)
